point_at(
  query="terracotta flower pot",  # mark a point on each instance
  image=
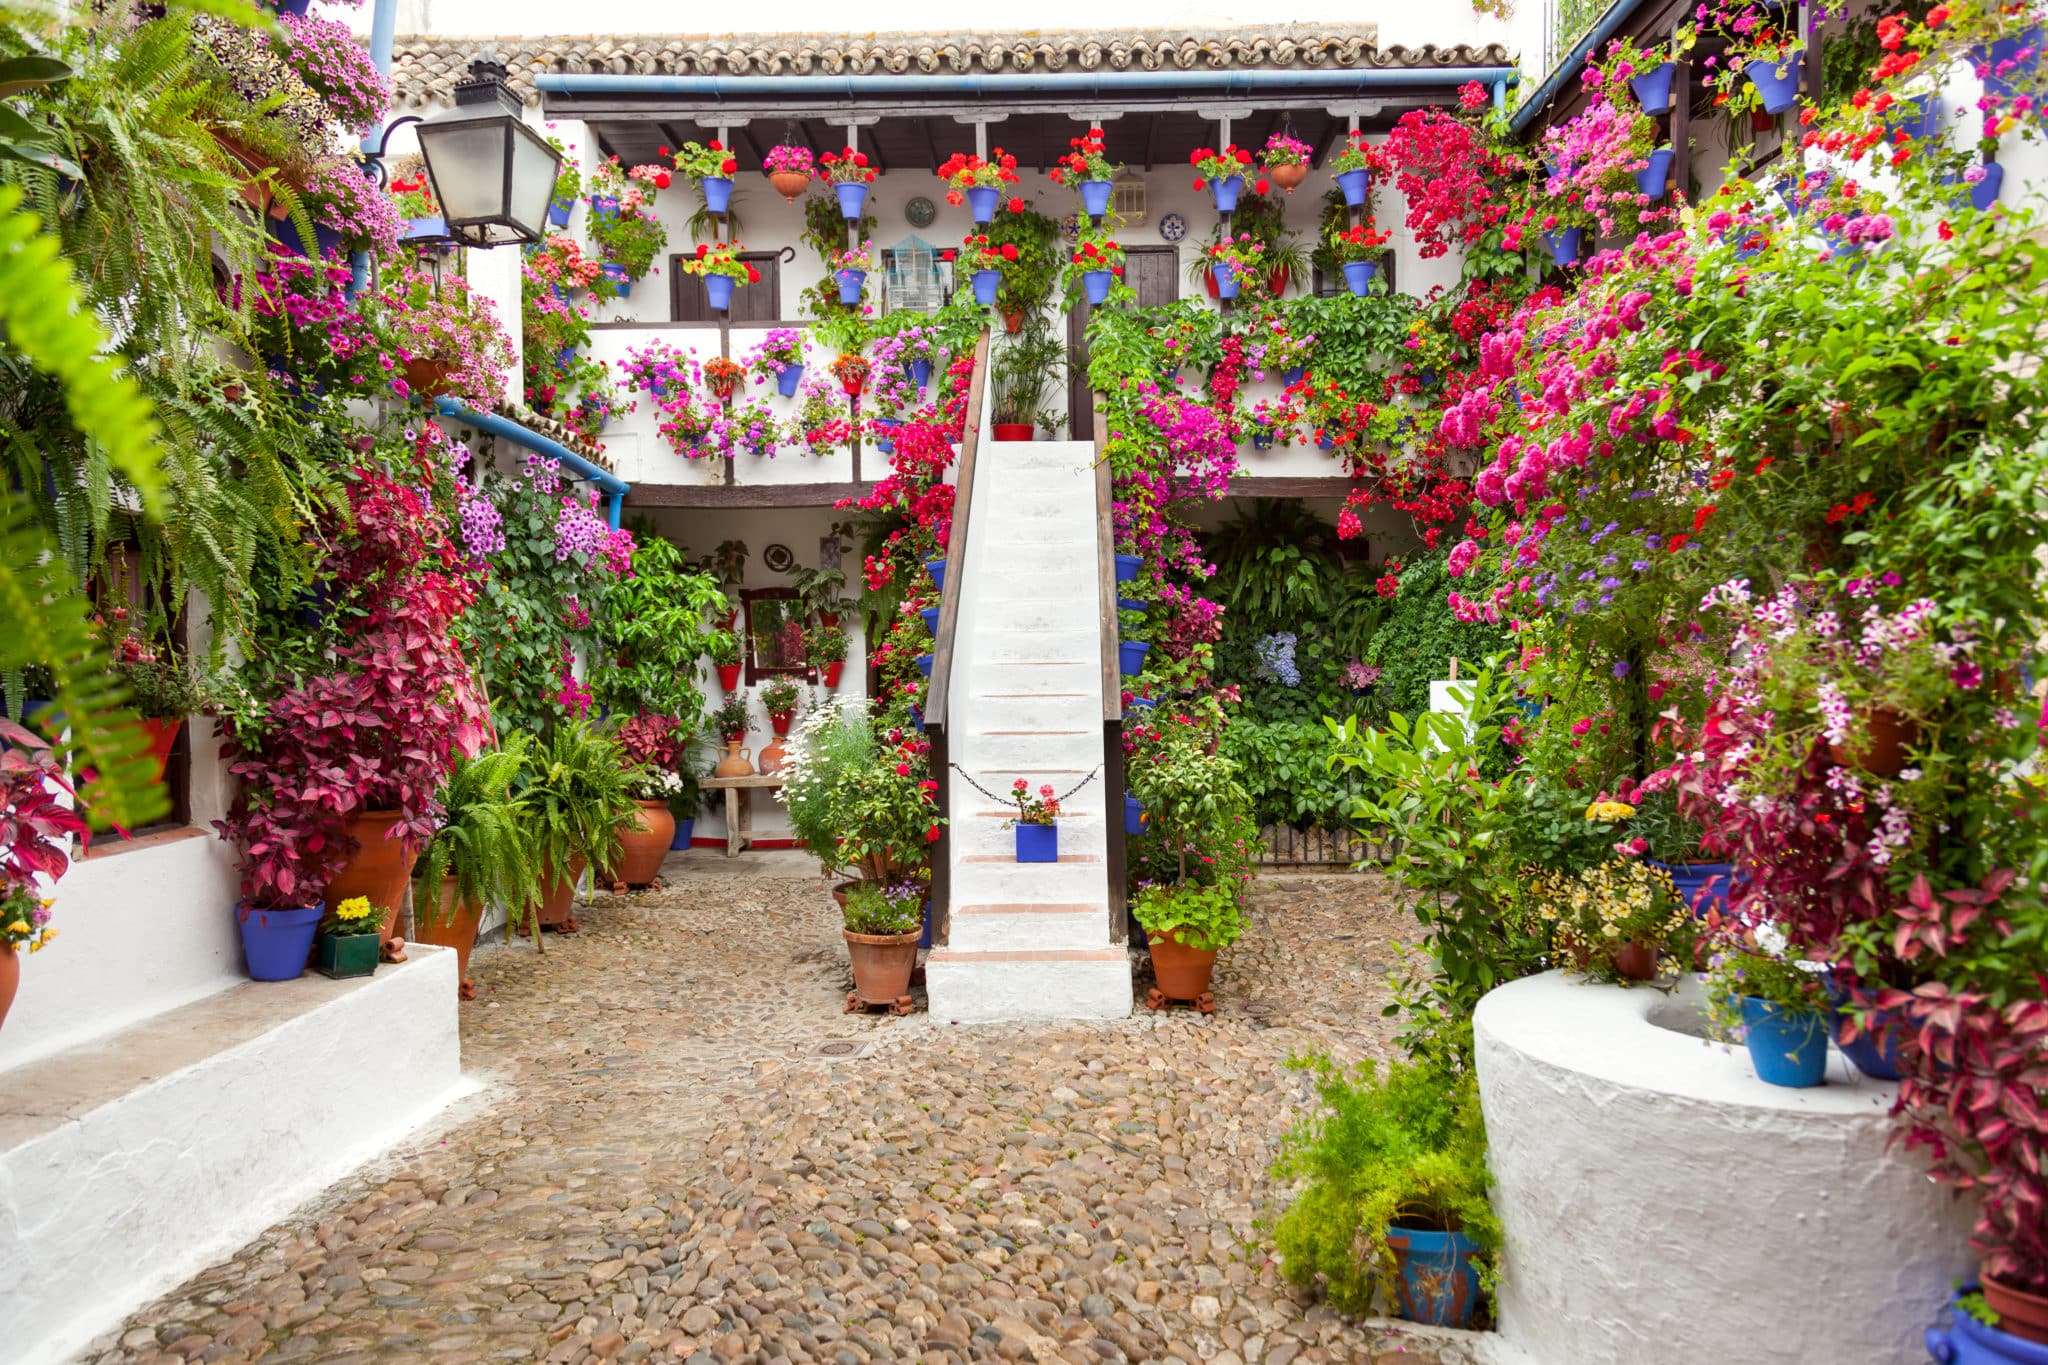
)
(780, 721)
(163, 736)
(789, 184)
(738, 760)
(1636, 961)
(1287, 177)
(1879, 743)
(558, 899)
(1183, 973)
(10, 979)
(1014, 431)
(839, 893)
(427, 376)
(882, 964)
(771, 757)
(642, 847)
(451, 926)
(2020, 1313)
(1013, 323)
(378, 869)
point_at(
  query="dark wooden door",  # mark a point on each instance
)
(1154, 273)
(751, 303)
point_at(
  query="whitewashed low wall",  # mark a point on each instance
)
(1660, 1203)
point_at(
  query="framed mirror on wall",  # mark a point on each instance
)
(774, 621)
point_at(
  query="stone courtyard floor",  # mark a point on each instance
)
(688, 1152)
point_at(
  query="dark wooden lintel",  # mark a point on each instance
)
(742, 494)
(1249, 486)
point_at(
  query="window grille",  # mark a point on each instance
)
(1127, 200)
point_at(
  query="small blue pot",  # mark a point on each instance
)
(683, 830)
(1095, 195)
(850, 282)
(1653, 88)
(1226, 191)
(986, 282)
(853, 196)
(1132, 604)
(1358, 275)
(981, 202)
(1095, 284)
(605, 205)
(1787, 1049)
(1776, 85)
(1984, 193)
(1703, 886)
(924, 664)
(1130, 657)
(1226, 281)
(1564, 245)
(565, 356)
(1262, 438)
(1354, 184)
(887, 444)
(1038, 843)
(1290, 376)
(1966, 1341)
(1650, 179)
(622, 283)
(718, 194)
(1142, 705)
(416, 229)
(558, 212)
(791, 378)
(937, 569)
(1918, 116)
(1134, 815)
(276, 943)
(1128, 567)
(2005, 50)
(718, 291)
(920, 372)
(931, 619)
(1439, 1283)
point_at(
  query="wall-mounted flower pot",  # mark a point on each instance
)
(789, 184)
(1095, 285)
(718, 292)
(920, 373)
(451, 924)
(1140, 706)
(1653, 88)
(886, 444)
(1134, 815)
(1358, 276)
(787, 382)
(1291, 376)
(780, 721)
(1652, 179)
(428, 376)
(2006, 51)
(1354, 185)
(717, 193)
(1788, 1048)
(1437, 1281)
(1703, 886)
(1130, 657)
(853, 196)
(684, 829)
(344, 955)
(830, 672)
(1014, 431)
(1226, 191)
(981, 202)
(558, 212)
(1226, 280)
(1777, 83)
(1917, 116)
(1095, 197)
(1984, 193)
(163, 737)
(1564, 245)
(1038, 843)
(1013, 322)
(1262, 438)
(1966, 1341)
(1128, 567)
(937, 569)
(924, 664)
(930, 616)
(986, 282)
(276, 943)
(850, 282)
(621, 282)
(1132, 604)
(882, 965)
(604, 205)
(729, 677)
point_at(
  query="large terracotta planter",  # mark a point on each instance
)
(427, 376)
(1183, 973)
(10, 979)
(1879, 742)
(451, 926)
(163, 736)
(882, 964)
(2020, 1313)
(557, 907)
(378, 869)
(642, 847)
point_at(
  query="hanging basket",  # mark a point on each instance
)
(789, 184)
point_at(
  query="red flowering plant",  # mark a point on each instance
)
(963, 172)
(412, 196)
(1216, 166)
(1042, 809)
(1086, 159)
(888, 810)
(1457, 173)
(721, 258)
(714, 162)
(1092, 253)
(978, 253)
(846, 167)
(1357, 154)
(1360, 242)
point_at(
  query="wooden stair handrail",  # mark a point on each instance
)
(938, 694)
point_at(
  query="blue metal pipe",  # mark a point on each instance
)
(611, 485)
(997, 84)
(1568, 69)
(383, 34)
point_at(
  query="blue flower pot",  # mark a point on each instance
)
(1777, 85)
(1226, 281)
(1984, 193)
(937, 569)
(1095, 284)
(718, 194)
(558, 212)
(1142, 705)
(1128, 568)
(1130, 657)
(1358, 275)
(886, 444)
(326, 240)
(1226, 191)
(1132, 604)
(1439, 1283)
(1787, 1048)
(1262, 438)
(1703, 886)
(683, 830)
(1877, 1058)
(2005, 50)
(924, 933)
(1326, 442)
(1653, 88)
(1564, 245)
(1290, 376)
(1650, 179)
(622, 283)
(1917, 116)
(416, 230)
(986, 282)
(931, 619)
(920, 372)
(850, 282)
(718, 291)
(298, 7)
(1354, 184)
(853, 196)
(924, 664)
(981, 202)
(1095, 195)
(1134, 815)
(276, 943)
(604, 205)
(1038, 843)
(789, 380)
(1966, 1341)
(916, 716)
(565, 356)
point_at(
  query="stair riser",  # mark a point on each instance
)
(1030, 883)
(971, 993)
(1009, 933)
(996, 646)
(1025, 753)
(1028, 713)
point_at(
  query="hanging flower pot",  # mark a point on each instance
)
(1787, 1047)
(1128, 567)
(604, 205)
(787, 382)
(1130, 657)
(1038, 843)
(377, 869)
(1226, 280)
(1652, 179)
(886, 444)
(930, 617)
(558, 212)
(1226, 191)
(789, 184)
(1095, 284)
(1014, 431)
(1262, 437)
(428, 376)
(1358, 275)
(1288, 175)
(986, 282)
(937, 569)
(718, 291)
(452, 924)
(1436, 1281)
(850, 282)
(1131, 604)
(717, 193)
(1564, 245)
(1013, 323)
(1777, 83)
(1354, 185)
(622, 283)
(920, 373)
(276, 943)
(831, 672)
(1653, 87)
(2000, 65)
(1291, 376)
(981, 202)
(163, 737)
(924, 664)
(780, 721)
(853, 196)
(1095, 197)
(852, 372)
(729, 676)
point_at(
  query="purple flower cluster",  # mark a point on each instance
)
(345, 200)
(483, 527)
(579, 530)
(328, 58)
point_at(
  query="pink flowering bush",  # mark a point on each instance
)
(445, 321)
(328, 57)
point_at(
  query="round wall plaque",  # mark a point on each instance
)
(921, 212)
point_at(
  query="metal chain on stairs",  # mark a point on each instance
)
(1012, 800)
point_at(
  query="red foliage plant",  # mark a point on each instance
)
(33, 817)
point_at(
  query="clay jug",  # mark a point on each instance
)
(771, 758)
(738, 761)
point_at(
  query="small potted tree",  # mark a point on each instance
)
(883, 923)
(348, 944)
(1037, 823)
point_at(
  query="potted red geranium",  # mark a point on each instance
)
(1036, 822)
(1097, 263)
(1087, 168)
(979, 182)
(982, 262)
(850, 175)
(712, 167)
(1223, 173)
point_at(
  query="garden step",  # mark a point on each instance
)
(1028, 750)
(990, 877)
(970, 986)
(995, 648)
(1030, 925)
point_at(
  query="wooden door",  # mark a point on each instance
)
(751, 303)
(1154, 273)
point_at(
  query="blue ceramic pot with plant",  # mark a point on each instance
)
(1358, 275)
(1437, 1281)
(1130, 657)
(684, 828)
(604, 205)
(718, 291)
(1095, 196)
(924, 664)
(1354, 185)
(558, 212)
(1038, 843)
(1226, 280)
(1128, 567)
(277, 943)
(1966, 1341)
(981, 202)
(937, 569)
(1134, 815)
(1262, 438)
(1875, 1049)
(786, 382)
(986, 282)
(853, 196)
(920, 372)
(1787, 1047)
(622, 283)
(1095, 284)
(930, 616)
(2005, 53)
(1226, 191)
(886, 444)
(1984, 192)
(1777, 83)
(1564, 244)
(1651, 179)
(850, 282)
(1653, 87)
(717, 194)
(1703, 886)
(1291, 376)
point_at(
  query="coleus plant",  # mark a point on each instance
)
(34, 815)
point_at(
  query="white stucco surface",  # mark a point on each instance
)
(1660, 1203)
(129, 1163)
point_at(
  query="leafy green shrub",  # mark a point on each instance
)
(1421, 636)
(1286, 767)
(1204, 916)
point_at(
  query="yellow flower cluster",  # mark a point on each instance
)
(25, 933)
(354, 914)
(1595, 913)
(1609, 810)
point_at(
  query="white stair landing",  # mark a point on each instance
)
(132, 1161)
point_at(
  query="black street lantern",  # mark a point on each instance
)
(493, 175)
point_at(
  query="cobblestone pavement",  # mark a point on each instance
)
(690, 1153)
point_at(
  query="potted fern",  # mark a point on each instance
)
(1024, 377)
(484, 853)
(578, 804)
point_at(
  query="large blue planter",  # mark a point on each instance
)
(1966, 1341)
(1095, 284)
(1130, 657)
(931, 619)
(1134, 815)
(1653, 88)
(718, 194)
(1692, 882)
(558, 212)
(1226, 191)
(2006, 50)
(1128, 567)
(1226, 281)
(1651, 179)
(920, 372)
(1358, 275)
(1438, 1284)
(1777, 84)
(853, 196)
(1038, 843)
(684, 828)
(1787, 1048)
(1564, 245)
(276, 943)
(850, 282)
(981, 202)
(718, 291)
(1095, 196)
(622, 283)
(986, 282)
(886, 444)
(1355, 185)
(786, 383)
(924, 664)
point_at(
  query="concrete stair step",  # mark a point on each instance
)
(1024, 750)
(1030, 925)
(970, 986)
(999, 877)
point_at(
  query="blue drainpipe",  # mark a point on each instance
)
(611, 485)
(383, 33)
(1568, 69)
(996, 84)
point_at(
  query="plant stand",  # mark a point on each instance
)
(739, 821)
(1205, 1003)
(902, 1004)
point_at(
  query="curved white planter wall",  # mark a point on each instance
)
(1660, 1203)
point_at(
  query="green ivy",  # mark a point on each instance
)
(1422, 635)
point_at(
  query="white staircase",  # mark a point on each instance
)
(1028, 940)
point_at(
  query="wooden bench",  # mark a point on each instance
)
(739, 819)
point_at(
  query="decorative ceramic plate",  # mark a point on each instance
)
(778, 559)
(1070, 227)
(920, 211)
(1173, 227)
